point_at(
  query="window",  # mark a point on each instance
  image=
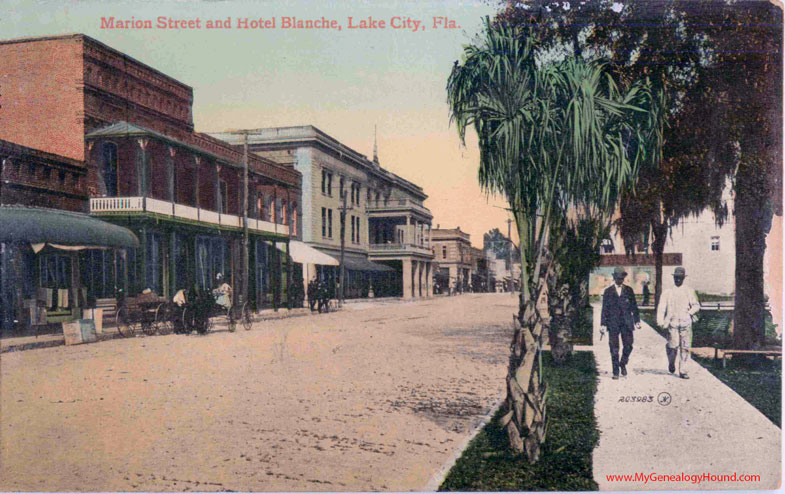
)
(293, 216)
(268, 208)
(356, 197)
(109, 158)
(354, 225)
(358, 227)
(284, 213)
(224, 199)
(330, 223)
(341, 188)
(606, 247)
(324, 222)
(154, 268)
(444, 252)
(278, 211)
(327, 182)
(715, 243)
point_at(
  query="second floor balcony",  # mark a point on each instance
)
(399, 248)
(107, 206)
(382, 207)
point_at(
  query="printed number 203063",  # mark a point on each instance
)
(636, 399)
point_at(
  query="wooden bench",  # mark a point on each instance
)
(725, 353)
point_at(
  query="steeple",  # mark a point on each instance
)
(375, 146)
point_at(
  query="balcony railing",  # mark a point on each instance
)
(105, 205)
(396, 204)
(396, 248)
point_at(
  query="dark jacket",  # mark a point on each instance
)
(619, 313)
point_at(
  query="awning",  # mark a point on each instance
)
(41, 225)
(362, 264)
(304, 254)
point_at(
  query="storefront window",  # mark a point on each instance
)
(154, 263)
(212, 257)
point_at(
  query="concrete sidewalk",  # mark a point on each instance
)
(693, 427)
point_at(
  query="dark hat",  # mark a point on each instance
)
(679, 272)
(618, 270)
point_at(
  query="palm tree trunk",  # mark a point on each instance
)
(525, 417)
(560, 309)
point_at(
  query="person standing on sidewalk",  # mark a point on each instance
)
(677, 311)
(619, 318)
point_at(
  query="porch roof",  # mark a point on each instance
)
(22, 224)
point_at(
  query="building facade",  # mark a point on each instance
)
(126, 132)
(705, 249)
(386, 228)
(453, 254)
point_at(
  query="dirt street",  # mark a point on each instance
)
(376, 397)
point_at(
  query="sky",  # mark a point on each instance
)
(342, 81)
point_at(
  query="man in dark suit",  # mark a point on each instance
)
(619, 318)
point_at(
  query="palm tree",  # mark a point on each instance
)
(553, 136)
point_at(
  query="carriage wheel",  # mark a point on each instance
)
(201, 324)
(163, 318)
(247, 316)
(124, 324)
(189, 324)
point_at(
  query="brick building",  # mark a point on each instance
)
(144, 167)
(386, 241)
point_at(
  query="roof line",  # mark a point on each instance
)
(90, 39)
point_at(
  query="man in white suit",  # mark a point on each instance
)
(677, 310)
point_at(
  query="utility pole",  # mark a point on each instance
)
(245, 218)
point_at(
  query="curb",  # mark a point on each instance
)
(438, 478)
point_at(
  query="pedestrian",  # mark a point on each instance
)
(312, 287)
(619, 318)
(222, 291)
(678, 309)
(646, 293)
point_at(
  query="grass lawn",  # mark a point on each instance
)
(712, 327)
(565, 460)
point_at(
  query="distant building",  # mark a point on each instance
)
(453, 254)
(482, 279)
(707, 252)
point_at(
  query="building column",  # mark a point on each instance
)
(218, 199)
(420, 278)
(170, 179)
(198, 162)
(429, 279)
(142, 186)
(407, 278)
(453, 269)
